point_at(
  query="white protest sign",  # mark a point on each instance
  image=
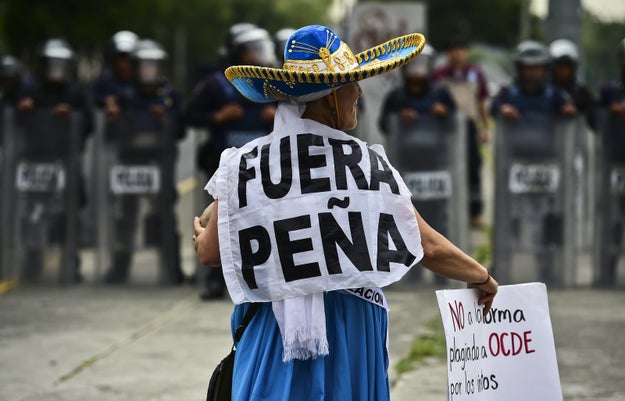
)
(509, 354)
(309, 209)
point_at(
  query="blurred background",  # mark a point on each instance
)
(509, 130)
(193, 32)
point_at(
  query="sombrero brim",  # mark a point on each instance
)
(263, 84)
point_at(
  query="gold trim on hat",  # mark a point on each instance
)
(372, 65)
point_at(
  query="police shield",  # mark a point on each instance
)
(610, 201)
(41, 195)
(535, 224)
(8, 271)
(430, 154)
(134, 166)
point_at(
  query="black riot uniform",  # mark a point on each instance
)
(115, 88)
(418, 95)
(11, 83)
(231, 119)
(152, 99)
(531, 93)
(55, 89)
(565, 60)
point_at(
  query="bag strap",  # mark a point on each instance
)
(247, 318)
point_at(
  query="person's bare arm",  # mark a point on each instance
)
(444, 258)
(205, 238)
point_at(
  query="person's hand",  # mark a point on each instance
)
(230, 112)
(206, 215)
(268, 113)
(487, 293)
(617, 108)
(439, 109)
(26, 104)
(408, 114)
(62, 109)
(569, 110)
(111, 108)
(509, 112)
(485, 135)
(157, 111)
(197, 231)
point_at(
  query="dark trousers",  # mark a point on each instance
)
(474, 157)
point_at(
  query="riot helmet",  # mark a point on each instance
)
(254, 47)
(564, 51)
(57, 62)
(565, 58)
(10, 67)
(120, 50)
(417, 73)
(123, 42)
(531, 60)
(531, 53)
(225, 51)
(280, 39)
(10, 75)
(148, 57)
(422, 65)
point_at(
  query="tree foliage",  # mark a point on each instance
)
(88, 24)
(599, 44)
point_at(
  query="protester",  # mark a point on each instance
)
(468, 86)
(312, 338)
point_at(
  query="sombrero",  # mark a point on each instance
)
(317, 61)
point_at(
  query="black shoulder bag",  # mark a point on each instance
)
(220, 384)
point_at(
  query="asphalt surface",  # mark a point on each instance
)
(143, 342)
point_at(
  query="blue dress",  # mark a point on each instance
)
(355, 369)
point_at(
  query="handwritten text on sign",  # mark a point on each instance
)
(508, 353)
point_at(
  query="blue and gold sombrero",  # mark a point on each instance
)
(317, 61)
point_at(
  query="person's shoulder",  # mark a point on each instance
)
(441, 71)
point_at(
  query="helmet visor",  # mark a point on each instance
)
(57, 70)
(148, 71)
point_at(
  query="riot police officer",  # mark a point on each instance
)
(280, 39)
(418, 95)
(154, 97)
(531, 92)
(565, 59)
(10, 80)
(114, 90)
(55, 85)
(612, 97)
(611, 200)
(231, 119)
(55, 88)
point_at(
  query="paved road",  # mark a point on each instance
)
(142, 343)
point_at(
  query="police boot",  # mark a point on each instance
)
(118, 273)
